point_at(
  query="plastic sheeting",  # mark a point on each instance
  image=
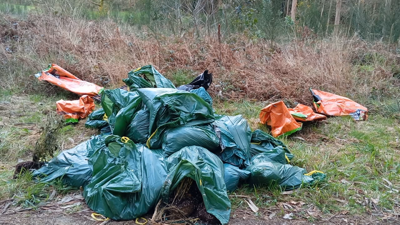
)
(235, 135)
(75, 109)
(147, 77)
(64, 79)
(233, 176)
(96, 120)
(127, 179)
(207, 170)
(177, 138)
(120, 107)
(304, 113)
(336, 105)
(266, 170)
(279, 118)
(172, 108)
(138, 129)
(261, 142)
(202, 93)
(125, 173)
(204, 80)
(71, 165)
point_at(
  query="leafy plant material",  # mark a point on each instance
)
(47, 143)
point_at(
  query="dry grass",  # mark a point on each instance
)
(103, 52)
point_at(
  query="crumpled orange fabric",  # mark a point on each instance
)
(336, 105)
(64, 79)
(279, 118)
(76, 109)
(306, 111)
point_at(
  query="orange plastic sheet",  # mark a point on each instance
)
(73, 110)
(304, 113)
(279, 118)
(336, 105)
(64, 79)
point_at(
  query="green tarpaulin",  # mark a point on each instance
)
(71, 165)
(154, 136)
(127, 179)
(147, 77)
(176, 138)
(235, 135)
(233, 176)
(207, 170)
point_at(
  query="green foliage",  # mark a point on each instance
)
(25, 191)
(47, 143)
(180, 77)
(371, 20)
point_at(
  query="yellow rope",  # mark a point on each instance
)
(102, 218)
(125, 139)
(140, 223)
(148, 140)
(287, 158)
(312, 172)
(105, 117)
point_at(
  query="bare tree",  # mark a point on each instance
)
(294, 7)
(337, 16)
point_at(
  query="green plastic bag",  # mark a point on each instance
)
(202, 93)
(127, 179)
(71, 165)
(233, 176)
(235, 135)
(95, 120)
(125, 115)
(120, 107)
(276, 154)
(265, 172)
(147, 77)
(175, 139)
(207, 170)
(172, 108)
(138, 129)
(262, 142)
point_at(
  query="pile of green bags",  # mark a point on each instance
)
(153, 136)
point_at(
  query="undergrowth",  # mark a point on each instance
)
(104, 52)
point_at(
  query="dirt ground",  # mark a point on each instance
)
(73, 210)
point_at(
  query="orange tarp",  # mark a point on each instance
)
(279, 118)
(304, 113)
(73, 110)
(336, 105)
(64, 79)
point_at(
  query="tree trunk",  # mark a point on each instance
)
(385, 15)
(329, 18)
(337, 16)
(287, 7)
(294, 7)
